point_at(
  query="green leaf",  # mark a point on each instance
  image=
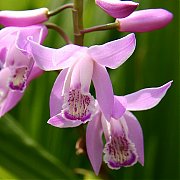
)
(24, 158)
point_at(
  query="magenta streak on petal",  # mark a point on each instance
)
(18, 79)
(78, 106)
(119, 150)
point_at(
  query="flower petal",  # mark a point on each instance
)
(145, 20)
(36, 32)
(135, 134)
(146, 98)
(115, 53)
(104, 91)
(53, 59)
(117, 8)
(23, 18)
(118, 109)
(94, 143)
(59, 121)
(56, 99)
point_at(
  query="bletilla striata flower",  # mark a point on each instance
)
(145, 20)
(123, 133)
(23, 18)
(117, 8)
(16, 65)
(71, 104)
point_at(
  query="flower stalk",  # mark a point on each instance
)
(103, 27)
(60, 31)
(78, 22)
(60, 9)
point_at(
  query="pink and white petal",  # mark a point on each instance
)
(50, 59)
(114, 53)
(35, 72)
(10, 102)
(94, 143)
(146, 98)
(117, 8)
(118, 109)
(23, 18)
(59, 121)
(135, 134)
(56, 98)
(37, 33)
(104, 90)
(145, 20)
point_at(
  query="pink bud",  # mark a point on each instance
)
(116, 8)
(145, 20)
(23, 18)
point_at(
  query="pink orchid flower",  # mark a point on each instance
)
(117, 8)
(123, 133)
(23, 18)
(17, 67)
(71, 104)
(145, 20)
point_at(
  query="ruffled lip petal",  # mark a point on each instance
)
(114, 53)
(59, 121)
(146, 98)
(116, 8)
(145, 20)
(23, 18)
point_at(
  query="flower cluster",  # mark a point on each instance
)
(23, 58)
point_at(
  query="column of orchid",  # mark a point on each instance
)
(23, 58)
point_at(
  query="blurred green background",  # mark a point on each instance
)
(32, 149)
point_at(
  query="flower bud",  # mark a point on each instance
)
(145, 20)
(23, 18)
(116, 8)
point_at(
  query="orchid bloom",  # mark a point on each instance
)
(145, 20)
(123, 133)
(71, 104)
(23, 18)
(16, 65)
(117, 8)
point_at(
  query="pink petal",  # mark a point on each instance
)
(11, 100)
(118, 109)
(59, 121)
(56, 99)
(53, 59)
(145, 20)
(146, 98)
(104, 91)
(117, 8)
(23, 18)
(94, 143)
(37, 32)
(135, 134)
(114, 53)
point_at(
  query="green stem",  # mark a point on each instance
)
(60, 31)
(61, 8)
(78, 22)
(103, 27)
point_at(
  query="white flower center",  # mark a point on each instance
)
(120, 151)
(78, 106)
(18, 79)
